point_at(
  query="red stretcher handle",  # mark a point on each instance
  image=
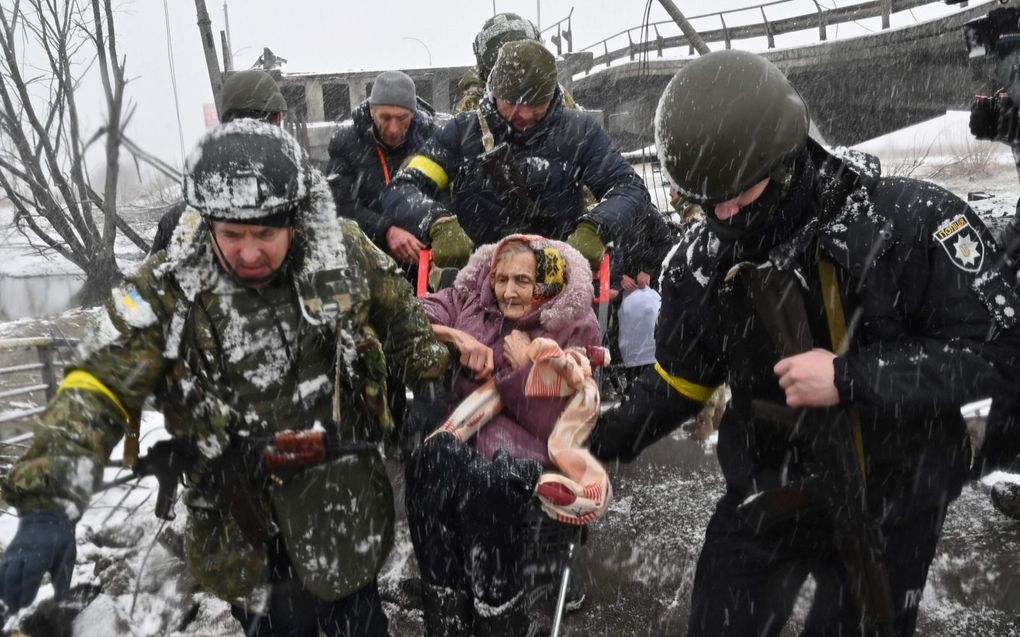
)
(424, 265)
(603, 279)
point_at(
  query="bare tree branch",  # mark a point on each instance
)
(44, 153)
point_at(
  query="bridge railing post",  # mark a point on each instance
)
(768, 29)
(725, 30)
(569, 33)
(49, 375)
(886, 10)
(821, 22)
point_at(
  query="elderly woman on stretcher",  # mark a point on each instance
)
(521, 406)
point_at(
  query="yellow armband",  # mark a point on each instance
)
(694, 391)
(83, 380)
(430, 169)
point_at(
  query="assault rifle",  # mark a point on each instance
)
(244, 471)
(837, 488)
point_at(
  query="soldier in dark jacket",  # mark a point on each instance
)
(266, 314)
(519, 164)
(851, 316)
(369, 149)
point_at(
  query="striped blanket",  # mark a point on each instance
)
(580, 492)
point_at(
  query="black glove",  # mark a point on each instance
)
(424, 414)
(43, 544)
(514, 479)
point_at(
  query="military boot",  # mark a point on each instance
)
(447, 611)
(1006, 498)
(507, 620)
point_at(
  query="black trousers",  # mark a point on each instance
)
(294, 611)
(746, 583)
(466, 522)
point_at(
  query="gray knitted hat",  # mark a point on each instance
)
(393, 88)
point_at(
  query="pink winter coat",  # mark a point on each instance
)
(524, 425)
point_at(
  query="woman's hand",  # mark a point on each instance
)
(474, 355)
(515, 348)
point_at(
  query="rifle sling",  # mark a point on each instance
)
(510, 176)
(488, 141)
(838, 334)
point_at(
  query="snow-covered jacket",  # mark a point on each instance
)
(555, 159)
(360, 166)
(231, 365)
(524, 425)
(932, 322)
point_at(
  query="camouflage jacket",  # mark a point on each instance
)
(227, 364)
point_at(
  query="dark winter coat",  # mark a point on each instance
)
(227, 363)
(555, 159)
(360, 166)
(524, 425)
(924, 297)
(167, 224)
(643, 246)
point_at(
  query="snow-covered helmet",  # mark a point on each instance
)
(248, 171)
(497, 31)
(726, 121)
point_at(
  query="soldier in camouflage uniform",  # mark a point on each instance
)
(265, 314)
(497, 31)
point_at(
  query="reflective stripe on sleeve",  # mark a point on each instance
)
(694, 391)
(430, 169)
(79, 379)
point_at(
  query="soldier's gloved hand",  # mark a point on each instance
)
(585, 239)
(43, 544)
(451, 246)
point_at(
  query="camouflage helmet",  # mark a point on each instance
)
(726, 121)
(250, 91)
(497, 31)
(248, 171)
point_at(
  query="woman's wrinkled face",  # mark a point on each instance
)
(513, 282)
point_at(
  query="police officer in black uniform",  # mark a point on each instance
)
(829, 299)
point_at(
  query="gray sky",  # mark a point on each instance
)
(333, 35)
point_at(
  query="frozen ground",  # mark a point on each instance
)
(639, 561)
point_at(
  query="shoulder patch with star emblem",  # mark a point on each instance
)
(962, 243)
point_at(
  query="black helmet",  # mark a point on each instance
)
(726, 121)
(247, 171)
(497, 31)
(251, 91)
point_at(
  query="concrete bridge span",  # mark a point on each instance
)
(856, 88)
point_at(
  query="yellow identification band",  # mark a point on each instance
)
(79, 379)
(694, 391)
(430, 169)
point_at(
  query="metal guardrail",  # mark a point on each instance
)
(45, 373)
(562, 35)
(718, 30)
